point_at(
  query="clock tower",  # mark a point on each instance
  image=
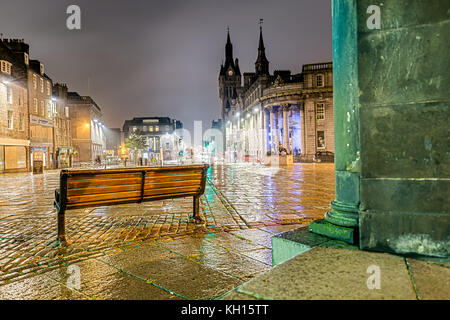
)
(229, 81)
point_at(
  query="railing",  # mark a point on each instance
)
(317, 66)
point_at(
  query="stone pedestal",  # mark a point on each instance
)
(279, 160)
(391, 123)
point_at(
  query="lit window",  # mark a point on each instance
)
(320, 111)
(49, 109)
(66, 109)
(26, 60)
(319, 80)
(35, 106)
(150, 128)
(156, 128)
(42, 113)
(49, 90)
(10, 120)
(134, 129)
(9, 95)
(42, 84)
(5, 67)
(34, 82)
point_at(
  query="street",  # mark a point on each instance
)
(243, 206)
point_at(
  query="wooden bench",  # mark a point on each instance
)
(95, 188)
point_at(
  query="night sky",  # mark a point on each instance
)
(162, 58)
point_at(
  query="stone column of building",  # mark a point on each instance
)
(301, 108)
(273, 133)
(263, 130)
(395, 193)
(285, 108)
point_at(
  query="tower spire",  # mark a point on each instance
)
(228, 50)
(261, 64)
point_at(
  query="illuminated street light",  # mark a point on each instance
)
(238, 114)
(255, 109)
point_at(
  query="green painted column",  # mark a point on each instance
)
(392, 137)
(341, 221)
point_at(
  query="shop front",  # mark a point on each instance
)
(13, 155)
(63, 157)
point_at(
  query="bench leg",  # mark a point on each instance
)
(61, 228)
(196, 208)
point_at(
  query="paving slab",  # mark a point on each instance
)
(328, 273)
(432, 281)
(257, 236)
(187, 278)
(90, 269)
(39, 287)
(121, 286)
(136, 256)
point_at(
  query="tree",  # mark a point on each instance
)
(136, 142)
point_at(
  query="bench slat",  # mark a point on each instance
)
(98, 183)
(129, 200)
(103, 190)
(173, 177)
(181, 183)
(170, 190)
(103, 196)
(105, 175)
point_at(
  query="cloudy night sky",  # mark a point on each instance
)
(162, 58)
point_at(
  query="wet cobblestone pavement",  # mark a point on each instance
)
(243, 206)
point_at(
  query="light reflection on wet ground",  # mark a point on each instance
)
(243, 205)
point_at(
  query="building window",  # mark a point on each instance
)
(42, 84)
(150, 128)
(5, 67)
(49, 109)
(25, 58)
(320, 111)
(10, 120)
(35, 106)
(34, 82)
(66, 111)
(134, 129)
(49, 90)
(319, 80)
(144, 128)
(321, 139)
(21, 122)
(42, 111)
(9, 95)
(156, 128)
(42, 68)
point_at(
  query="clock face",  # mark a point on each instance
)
(230, 72)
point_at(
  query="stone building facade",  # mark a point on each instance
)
(272, 112)
(62, 128)
(161, 132)
(88, 138)
(14, 123)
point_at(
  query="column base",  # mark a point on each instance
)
(333, 231)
